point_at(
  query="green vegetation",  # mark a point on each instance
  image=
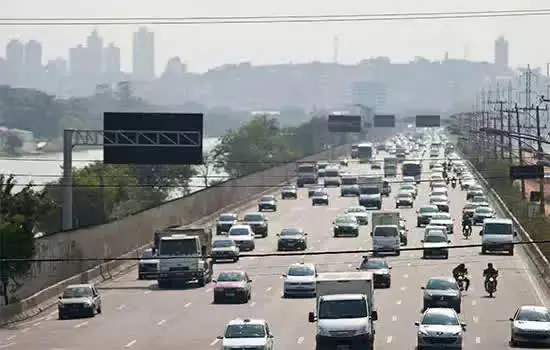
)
(19, 212)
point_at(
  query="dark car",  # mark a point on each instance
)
(380, 271)
(225, 221)
(319, 198)
(148, 265)
(232, 285)
(267, 203)
(79, 300)
(292, 239)
(425, 213)
(345, 226)
(472, 192)
(257, 222)
(349, 186)
(289, 192)
(442, 292)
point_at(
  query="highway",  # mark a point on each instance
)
(138, 316)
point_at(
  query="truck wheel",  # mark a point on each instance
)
(163, 284)
(398, 253)
(201, 282)
(511, 252)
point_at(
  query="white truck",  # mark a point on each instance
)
(390, 166)
(183, 254)
(370, 191)
(345, 310)
(386, 235)
(307, 174)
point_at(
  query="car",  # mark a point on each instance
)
(292, 239)
(360, 213)
(370, 196)
(472, 192)
(441, 203)
(319, 198)
(243, 236)
(257, 222)
(247, 334)
(346, 225)
(439, 191)
(380, 271)
(442, 292)
(482, 213)
(440, 328)
(321, 172)
(225, 249)
(435, 244)
(465, 184)
(225, 221)
(530, 325)
(349, 186)
(479, 199)
(409, 180)
(425, 213)
(430, 228)
(148, 265)
(289, 192)
(79, 300)
(311, 189)
(404, 199)
(469, 209)
(232, 285)
(300, 280)
(443, 219)
(409, 188)
(267, 203)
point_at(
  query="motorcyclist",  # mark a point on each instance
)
(466, 222)
(462, 270)
(489, 272)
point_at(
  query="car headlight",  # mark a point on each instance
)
(427, 296)
(323, 332)
(422, 332)
(336, 226)
(88, 304)
(362, 330)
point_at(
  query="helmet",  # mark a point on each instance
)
(490, 265)
(462, 266)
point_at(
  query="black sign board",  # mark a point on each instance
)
(534, 196)
(384, 121)
(152, 138)
(428, 121)
(345, 123)
(526, 172)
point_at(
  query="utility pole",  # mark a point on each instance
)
(520, 149)
(501, 117)
(510, 148)
(540, 156)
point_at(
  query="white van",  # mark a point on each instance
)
(386, 239)
(497, 235)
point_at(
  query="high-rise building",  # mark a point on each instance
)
(78, 62)
(501, 54)
(15, 60)
(111, 60)
(369, 94)
(94, 46)
(143, 55)
(33, 70)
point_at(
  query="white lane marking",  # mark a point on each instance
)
(208, 290)
(147, 292)
(406, 276)
(538, 292)
(25, 330)
(121, 307)
(394, 318)
(80, 324)
(268, 289)
(262, 249)
(389, 339)
(161, 322)
(475, 319)
(36, 324)
(403, 288)
(399, 302)
(350, 265)
(408, 264)
(252, 304)
(252, 258)
(187, 305)
(11, 337)
(239, 267)
(130, 344)
(52, 313)
(7, 345)
(300, 340)
(474, 302)
(478, 340)
(214, 342)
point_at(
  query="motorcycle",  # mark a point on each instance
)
(447, 180)
(460, 280)
(467, 231)
(453, 183)
(491, 286)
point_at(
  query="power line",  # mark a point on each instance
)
(110, 21)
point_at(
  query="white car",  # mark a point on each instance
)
(409, 180)
(404, 199)
(439, 191)
(409, 188)
(530, 325)
(443, 219)
(243, 236)
(360, 213)
(247, 334)
(300, 280)
(429, 228)
(435, 244)
(440, 328)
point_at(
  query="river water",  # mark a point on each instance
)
(44, 168)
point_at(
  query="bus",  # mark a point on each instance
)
(365, 152)
(413, 169)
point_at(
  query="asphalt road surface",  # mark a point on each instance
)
(138, 316)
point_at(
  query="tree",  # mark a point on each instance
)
(205, 169)
(19, 213)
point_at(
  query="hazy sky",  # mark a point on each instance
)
(205, 46)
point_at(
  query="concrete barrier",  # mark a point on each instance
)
(129, 236)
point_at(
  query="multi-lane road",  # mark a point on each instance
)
(138, 316)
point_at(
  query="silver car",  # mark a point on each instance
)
(530, 325)
(442, 292)
(79, 300)
(440, 328)
(360, 213)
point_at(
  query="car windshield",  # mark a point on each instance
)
(470, 206)
(290, 232)
(404, 195)
(319, 194)
(227, 218)
(441, 217)
(245, 331)
(533, 315)
(223, 243)
(300, 271)
(407, 188)
(441, 285)
(267, 199)
(425, 210)
(349, 181)
(374, 265)
(77, 292)
(370, 190)
(239, 232)
(356, 210)
(498, 229)
(231, 277)
(288, 188)
(385, 232)
(345, 220)
(483, 210)
(435, 239)
(336, 309)
(434, 318)
(253, 217)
